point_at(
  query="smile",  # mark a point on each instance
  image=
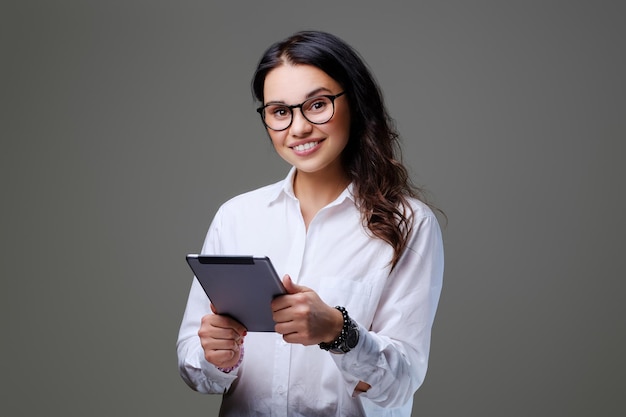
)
(305, 146)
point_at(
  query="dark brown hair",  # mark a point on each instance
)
(372, 157)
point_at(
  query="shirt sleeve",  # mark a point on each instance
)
(392, 356)
(195, 370)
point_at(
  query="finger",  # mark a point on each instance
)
(219, 339)
(221, 357)
(220, 333)
(291, 298)
(223, 344)
(285, 328)
(289, 285)
(225, 322)
(213, 309)
(220, 345)
(292, 287)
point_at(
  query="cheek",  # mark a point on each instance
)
(343, 124)
(277, 138)
(342, 129)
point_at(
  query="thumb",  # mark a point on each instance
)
(291, 287)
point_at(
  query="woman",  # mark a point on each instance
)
(360, 251)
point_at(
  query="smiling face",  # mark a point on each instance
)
(311, 148)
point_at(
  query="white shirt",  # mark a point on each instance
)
(339, 259)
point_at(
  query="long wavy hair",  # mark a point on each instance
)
(372, 157)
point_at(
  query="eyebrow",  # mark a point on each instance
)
(311, 94)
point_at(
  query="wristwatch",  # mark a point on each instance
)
(347, 339)
(351, 338)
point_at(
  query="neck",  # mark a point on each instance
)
(320, 187)
(316, 190)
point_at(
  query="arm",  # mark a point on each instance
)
(389, 362)
(207, 341)
(392, 356)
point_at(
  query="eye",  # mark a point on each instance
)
(317, 105)
(277, 112)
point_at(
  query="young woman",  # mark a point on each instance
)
(360, 252)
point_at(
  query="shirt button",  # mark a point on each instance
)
(280, 389)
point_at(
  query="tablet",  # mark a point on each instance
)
(239, 286)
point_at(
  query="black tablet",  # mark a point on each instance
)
(239, 286)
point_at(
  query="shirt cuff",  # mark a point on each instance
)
(214, 377)
(361, 363)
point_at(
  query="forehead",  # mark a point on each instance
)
(293, 83)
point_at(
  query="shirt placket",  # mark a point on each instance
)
(282, 349)
(280, 384)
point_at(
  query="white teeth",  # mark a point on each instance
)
(305, 147)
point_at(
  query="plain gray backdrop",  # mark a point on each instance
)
(125, 124)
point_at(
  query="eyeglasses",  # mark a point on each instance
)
(317, 110)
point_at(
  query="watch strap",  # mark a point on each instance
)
(340, 345)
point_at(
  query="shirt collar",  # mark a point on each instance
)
(287, 190)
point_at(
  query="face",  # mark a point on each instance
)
(311, 148)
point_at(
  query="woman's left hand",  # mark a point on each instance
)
(302, 317)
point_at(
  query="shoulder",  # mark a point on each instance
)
(420, 210)
(425, 236)
(425, 225)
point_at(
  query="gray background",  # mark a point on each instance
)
(126, 123)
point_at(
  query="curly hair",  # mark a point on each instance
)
(372, 157)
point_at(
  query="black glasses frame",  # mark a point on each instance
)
(331, 97)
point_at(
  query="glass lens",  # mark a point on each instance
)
(318, 109)
(277, 116)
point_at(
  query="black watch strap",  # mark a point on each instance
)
(347, 339)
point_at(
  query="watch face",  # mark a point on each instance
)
(352, 338)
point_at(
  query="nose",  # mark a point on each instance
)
(299, 125)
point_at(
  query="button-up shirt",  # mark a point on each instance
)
(346, 265)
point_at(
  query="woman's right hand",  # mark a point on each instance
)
(221, 338)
